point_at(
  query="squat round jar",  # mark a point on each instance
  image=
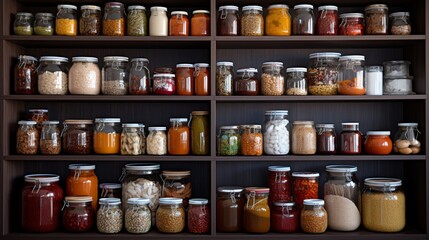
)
(44, 24)
(378, 143)
(77, 136)
(107, 135)
(114, 76)
(138, 215)
(327, 20)
(224, 78)
(78, 215)
(376, 19)
(52, 75)
(156, 141)
(284, 217)
(351, 24)
(164, 84)
(278, 20)
(114, 19)
(23, 24)
(400, 23)
(170, 216)
(228, 21)
(26, 75)
(139, 78)
(304, 138)
(246, 83)
(50, 140)
(198, 215)
(109, 215)
(314, 218)
(84, 76)
(296, 81)
(303, 21)
(27, 138)
(272, 79)
(66, 20)
(252, 21)
(136, 21)
(90, 20)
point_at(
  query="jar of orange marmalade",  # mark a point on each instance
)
(178, 137)
(378, 143)
(107, 136)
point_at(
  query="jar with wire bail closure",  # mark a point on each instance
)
(66, 20)
(114, 19)
(229, 209)
(252, 21)
(246, 83)
(132, 139)
(138, 215)
(82, 181)
(179, 137)
(228, 21)
(276, 132)
(52, 75)
(27, 138)
(114, 75)
(256, 218)
(44, 24)
(50, 140)
(137, 21)
(110, 215)
(84, 76)
(25, 75)
(284, 217)
(296, 81)
(224, 78)
(78, 215)
(107, 135)
(23, 24)
(272, 79)
(406, 139)
(139, 78)
(77, 136)
(90, 20)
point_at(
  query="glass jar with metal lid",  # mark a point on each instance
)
(351, 24)
(280, 184)
(383, 205)
(114, 75)
(200, 128)
(107, 135)
(114, 19)
(305, 186)
(132, 140)
(90, 20)
(158, 21)
(376, 19)
(350, 139)
(272, 79)
(327, 20)
(303, 21)
(251, 140)
(406, 139)
(156, 141)
(50, 140)
(179, 138)
(78, 215)
(200, 23)
(179, 23)
(84, 76)
(326, 139)
(25, 73)
(229, 209)
(229, 141)
(82, 181)
(323, 73)
(378, 143)
(278, 20)
(224, 78)
(351, 80)
(284, 217)
(77, 136)
(38, 115)
(252, 21)
(276, 132)
(136, 21)
(110, 215)
(164, 84)
(342, 197)
(177, 184)
(202, 79)
(304, 138)
(170, 216)
(44, 24)
(52, 75)
(110, 190)
(314, 218)
(27, 138)
(185, 79)
(296, 81)
(138, 215)
(400, 23)
(256, 217)
(246, 83)
(66, 20)
(23, 24)
(228, 21)
(139, 78)
(198, 215)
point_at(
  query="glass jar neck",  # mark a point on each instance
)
(313, 207)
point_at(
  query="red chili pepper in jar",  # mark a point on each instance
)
(351, 24)
(305, 186)
(327, 20)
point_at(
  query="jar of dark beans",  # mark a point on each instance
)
(77, 136)
(78, 215)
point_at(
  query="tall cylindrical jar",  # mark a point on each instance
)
(114, 75)
(66, 20)
(326, 139)
(136, 21)
(78, 215)
(44, 24)
(305, 186)
(185, 79)
(179, 139)
(84, 76)
(77, 136)
(82, 181)
(90, 20)
(351, 78)
(272, 79)
(314, 218)
(200, 137)
(303, 20)
(114, 19)
(139, 77)
(327, 20)
(110, 215)
(304, 138)
(323, 73)
(158, 21)
(251, 140)
(376, 19)
(26, 75)
(278, 20)
(156, 141)
(23, 24)
(374, 80)
(224, 78)
(52, 75)
(202, 79)
(229, 209)
(296, 81)
(198, 215)
(50, 140)
(179, 24)
(228, 21)
(27, 138)
(200, 23)
(107, 135)
(350, 139)
(228, 141)
(170, 216)
(256, 218)
(252, 21)
(132, 140)
(138, 215)
(280, 184)
(276, 132)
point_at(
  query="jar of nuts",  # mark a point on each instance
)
(27, 138)
(323, 73)
(77, 136)
(272, 79)
(138, 216)
(405, 141)
(109, 215)
(50, 140)
(170, 216)
(156, 141)
(296, 81)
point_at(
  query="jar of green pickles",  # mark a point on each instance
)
(136, 21)
(23, 24)
(44, 24)
(228, 141)
(200, 127)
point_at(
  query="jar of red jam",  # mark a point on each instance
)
(164, 84)
(78, 215)
(246, 82)
(350, 139)
(327, 20)
(378, 143)
(25, 74)
(198, 215)
(41, 200)
(305, 186)
(351, 24)
(279, 182)
(284, 217)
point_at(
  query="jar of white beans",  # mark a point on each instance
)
(156, 141)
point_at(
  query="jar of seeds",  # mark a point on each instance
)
(109, 215)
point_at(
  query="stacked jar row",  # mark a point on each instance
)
(115, 22)
(278, 21)
(108, 137)
(307, 139)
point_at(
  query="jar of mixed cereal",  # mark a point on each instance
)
(296, 81)
(139, 78)
(303, 21)
(185, 79)
(84, 76)
(228, 21)
(132, 139)
(114, 75)
(136, 21)
(26, 75)
(77, 136)
(66, 21)
(156, 141)
(200, 23)
(198, 215)
(78, 215)
(304, 138)
(323, 73)
(44, 24)
(224, 78)
(27, 138)
(327, 20)
(170, 216)
(164, 84)
(109, 215)
(251, 140)
(252, 21)
(23, 24)
(246, 83)
(229, 141)
(179, 24)
(138, 215)
(202, 79)
(52, 75)
(114, 19)
(376, 19)
(400, 23)
(90, 20)
(50, 140)
(305, 186)
(272, 79)
(314, 218)
(278, 20)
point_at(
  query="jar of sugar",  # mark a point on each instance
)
(276, 133)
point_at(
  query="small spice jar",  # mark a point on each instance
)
(351, 24)
(138, 215)
(110, 190)
(327, 20)
(109, 215)
(179, 138)
(177, 184)
(284, 217)
(278, 20)
(78, 215)
(136, 21)
(44, 24)
(114, 19)
(383, 205)
(158, 21)
(82, 181)
(229, 209)
(296, 81)
(280, 184)
(25, 75)
(400, 23)
(378, 143)
(170, 216)
(229, 141)
(303, 21)
(350, 139)
(27, 138)
(224, 78)
(351, 80)
(200, 23)
(164, 84)
(90, 20)
(132, 140)
(185, 79)
(114, 75)
(23, 24)
(374, 80)
(179, 24)
(38, 115)
(406, 139)
(200, 137)
(202, 79)
(305, 186)
(107, 135)
(252, 21)
(77, 136)
(139, 78)
(276, 132)
(52, 75)
(50, 140)
(304, 138)
(314, 218)
(323, 73)
(251, 140)
(326, 139)
(272, 79)
(228, 21)
(198, 216)
(84, 76)
(256, 218)
(376, 19)
(66, 20)
(246, 83)
(156, 141)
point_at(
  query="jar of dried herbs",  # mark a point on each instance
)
(90, 20)
(136, 21)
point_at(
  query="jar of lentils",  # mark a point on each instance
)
(44, 24)
(296, 81)
(90, 20)
(136, 21)
(27, 138)
(272, 79)
(52, 75)
(170, 216)
(84, 76)
(109, 215)
(138, 215)
(23, 24)
(77, 136)
(224, 77)
(252, 21)
(251, 140)
(114, 75)
(323, 73)
(66, 21)
(114, 19)
(314, 218)
(376, 19)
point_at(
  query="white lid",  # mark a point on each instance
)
(136, 7)
(228, 7)
(383, 133)
(107, 120)
(139, 60)
(25, 122)
(352, 57)
(350, 124)
(383, 182)
(138, 201)
(43, 178)
(399, 14)
(85, 59)
(327, 7)
(44, 14)
(303, 6)
(167, 75)
(200, 11)
(252, 7)
(272, 63)
(158, 8)
(170, 200)
(80, 166)
(296, 69)
(351, 15)
(109, 201)
(284, 204)
(230, 189)
(67, 6)
(201, 65)
(131, 125)
(278, 169)
(90, 7)
(376, 6)
(157, 128)
(54, 59)
(38, 110)
(116, 58)
(50, 122)
(110, 185)
(179, 12)
(229, 127)
(198, 201)
(142, 166)
(184, 65)
(24, 14)
(325, 54)
(252, 70)
(276, 112)
(408, 124)
(278, 6)
(303, 122)
(26, 57)
(224, 64)
(305, 174)
(251, 126)
(341, 168)
(178, 120)
(78, 199)
(314, 202)
(325, 125)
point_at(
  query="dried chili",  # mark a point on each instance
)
(305, 186)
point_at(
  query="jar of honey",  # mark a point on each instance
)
(178, 137)
(82, 181)
(107, 136)
(378, 143)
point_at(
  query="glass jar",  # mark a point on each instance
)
(376, 19)
(278, 20)
(351, 80)
(27, 138)
(229, 209)
(303, 20)
(114, 75)
(327, 20)
(350, 139)
(107, 136)
(38, 115)
(228, 21)
(84, 76)
(50, 140)
(41, 199)
(158, 21)
(185, 79)
(202, 79)
(256, 218)
(66, 20)
(132, 140)
(78, 215)
(342, 197)
(156, 141)
(323, 73)
(90, 20)
(296, 81)
(224, 77)
(398, 85)
(200, 137)
(246, 83)
(396, 69)
(170, 216)
(280, 184)
(138, 215)
(374, 80)
(200, 23)
(284, 217)
(272, 79)
(252, 21)
(378, 143)
(229, 141)
(383, 205)
(304, 138)
(164, 84)
(114, 19)
(305, 186)
(139, 78)
(179, 139)
(179, 24)
(276, 132)
(326, 139)
(26, 75)
(251, 140)
(110, 190)
(136, 21)
(351, 24)
(177, 184)
(77, 136)
(314, 218)
(52, 75)
(23, 24)
(400, 23)
(406, 139)
(109, 215)
(82, 181)
(198, 215)
(44, 24)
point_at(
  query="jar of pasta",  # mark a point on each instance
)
(66, 21)
(224, 78)
(179, 139)
(136, 21)
(179, 23)
(252, 21)
(278, 20)
(303, 21)
(406, 139)
(52, 75)
(296, 81)
(256, 218)
(27, 138)
(284, 217)
(351, 80)
(185, 79)
(139, 78)
(305, 186)
(50, 140)
(164, 84)
(107, 135)
(327, 20)
(251, 140)
(246, 83)
(78, 215)
(77, 136)
(351, 24)
(156, 141)
(228, 21)
(228, 141)
(114, 75)
(44, 24)
(323, 73)
(82, 181)
(314, 218)
(272, 79)
(114, 19)
(26, 75)
(90, 20)
(138, 215)
(200, 128)
(84, 76)
(177, 184)
(229, 209)
(132, 139)
(376, 19)
(170, 216)
(304, 138)
(202, 79)
(200, 23)
(158, 21)
(110, 216)
(23, 24)
(110, 190)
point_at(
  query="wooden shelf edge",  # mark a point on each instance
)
(318, 38)
(107, 158)
(320, 98)
(297, 158)
(127, 98)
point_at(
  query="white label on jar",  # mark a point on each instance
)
(374, 83)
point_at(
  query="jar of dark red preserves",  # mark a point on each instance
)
(164, 84)
(350, 139)
(327, 20)
(351, 24)
(246, 82)
(78, 215)
(228, 21)
(229, 209)
(279, 182)
(198, 216)
(305, 186)
(326, 139)
(26, 75)
(41, 200)
(284, 217)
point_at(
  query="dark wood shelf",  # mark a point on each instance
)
(126, 98)
(108, 158)
(297, 158)
(310, 98)
(291, 3)
(147, 3)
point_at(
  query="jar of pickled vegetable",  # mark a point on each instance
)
(246, 83)
(251, 140)
(23, 24)
(303, 21)
(378, 143)
(326, 139)
(156, 141)
(77, 136)
(323, 73)
(132, 139)
(406, 139)
(272, 79)
(110, 190)
(224, 78)
(179, 137)
(136, 21)
(27, 138)
(66, 21)
(200, 23)
(296, 81)
(200, 128)
(50, 140)
(280, 184)
(229, 209)
(78, 215)
(179, 23)
(278, 20)
(158, 21)
(90, 20)
(170, 215)
(305, 186)
(228, 141)
(376, 19)
(350, 139)
(198, 215)
(82, 181)
(44, 24)
(276, 132)
(252, 21)
(304, 138)
(256, 218)
(164, 84)
(138, 215)
(327, 20)
(351, 80)
(228, 21)
(314, 218)
(26, 75)
(284, 217)
(185, 79)
(84, 76)
(114, 75)
(52, 75)
(351, 24)
(114, 19)
(202, 79)
(139, 78)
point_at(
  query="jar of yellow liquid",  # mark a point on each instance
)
(107, 135)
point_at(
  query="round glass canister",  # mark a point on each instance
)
(350, 139)
(27, 138)
(82, 181)
(77, 136)
(84, 76)
(342, 197)
(200, 137)
(400, 23)
(305, 186)
(44, 24)
(78, 215)
(164, 84)
(406, 139)
(229, 209)
(304, 138)
(280, 184)
(314, 218)
(378, 143)
(52, 75)
(107, 135)
(296, 81)
(224, 78)
(200, 23)
(50, 139)
(251, 140)
(326, 139)
(156, 141)
(278, 20)
(246, 83)
(109, 215)
(376, 19)
(90, 20)
(23, 24)
(202, 79)
(66, 20)
(323, 73)
(185, 79)
(139, 78)
(228, 21)
(110, 190)
(374, 80)
(179, 137)
(177, 184)
(303, 21)
(138, 215)
(136, 21)
(327, 20)
(383, 205)
(276, 132)
(132, 140)
(41, 201)
(170, 216)
(179, 24)
(198, 215)
(272, 79)
(252, 21)
(25, 73)
(38, 115)
(114, 75)
(158, 21)
(351, 79)
(284, 217)
(114, 19)
(256, 218)
(229, 141)
(351, 24)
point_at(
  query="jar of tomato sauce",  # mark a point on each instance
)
(178, 137)
(279, 182)
(78, 215)
(200, 23)
(350, 139)
(179, 23)
(41, 200)
(284, 217)
(256, 218)
(378, 143)
(251, 140)
(305, 186)
(107, 136)
(185, 79)
(202, 79)
(82, 181)
(351, 24)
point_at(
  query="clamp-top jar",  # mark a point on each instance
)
(296, 81)
(280, 184)
(179, 139)
(114, 75)
(185, 79)
(314, 218)
(351, 79)
(110, 215)
(114, 19)
(139, 78)
(202, 79)
(229, 209)
(78, 215)
(84, 76)
(77, 136)
(350, 139)
(323, 73)
(376, 19)
(90, 20)
(251, 140)
(156, 141)
(27, 138)
(23, 24)
(252, 21)
(26, 75)
(198, 215)
(177, 184)
(138, 215)
(224, 78)
(133, 140)
(278, 20)
(66, 20)
(327, 20)
(246, 83)
(400, 23)
(326, 139)
(82, 181)
(52, 75)
(256, 218)
(50, 140)
(44, 24)
(303, 21)
(229, 141)
(406, 139)
(351, 24)
(284, 217)
(272, 79)
(107, 135)
(136, 21)
(228, 21)
(170, 216)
